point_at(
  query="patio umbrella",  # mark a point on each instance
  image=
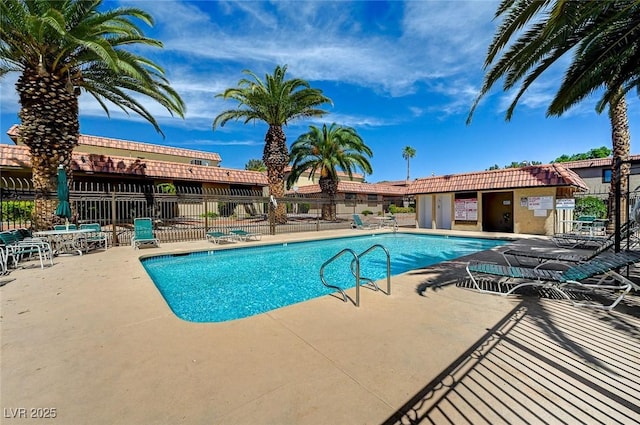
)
(64, 208)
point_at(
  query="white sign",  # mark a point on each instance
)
(540, 202)
(565, 204)
(466, 209)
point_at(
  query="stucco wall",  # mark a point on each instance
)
(525, 220)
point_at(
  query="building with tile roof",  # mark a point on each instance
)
(355, 197)
(102, 159)
(520, 200)
(596, 173)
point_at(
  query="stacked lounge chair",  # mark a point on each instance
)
(579, 276)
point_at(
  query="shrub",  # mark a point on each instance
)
(590, 205)
(304, 208)
(366, 213)
(210, 214)
(19, 211)
(399, 210)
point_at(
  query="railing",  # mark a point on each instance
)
(180, 213)
(355, 263)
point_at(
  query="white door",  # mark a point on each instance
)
(425, 211)
(443, 212)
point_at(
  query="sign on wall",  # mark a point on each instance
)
(466, 209)
(540, 202)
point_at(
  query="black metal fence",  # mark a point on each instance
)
(179, 213)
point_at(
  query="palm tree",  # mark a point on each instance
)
(325, 151)
(255, 165)
(62, 48)
(275, 101)
(407, 153)
(591, 29)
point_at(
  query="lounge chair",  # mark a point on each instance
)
(245, 236)
(143, 233)
(578, 276)
(70, 226)
(217, 236)
(17, 248)
(96, 238)
(359, 224)
(627, 231)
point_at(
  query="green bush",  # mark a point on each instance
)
(210, 214)
(167, 188)
(366, 213)
(399, 210)
(17, 210)
(304, 208)
(590, 205)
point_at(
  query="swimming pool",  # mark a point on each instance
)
(222, 285)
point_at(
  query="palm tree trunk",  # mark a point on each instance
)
(329, 187)
(620, 138)
(50, 129)
(276, 158)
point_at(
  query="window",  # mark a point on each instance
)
(606, 175)
(199, 162)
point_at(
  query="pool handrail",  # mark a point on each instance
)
(386, 251)
(356, 261)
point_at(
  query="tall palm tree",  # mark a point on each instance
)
(407, 153)
(324, 152)
(62, 48)
(276, 101)
(534, 34)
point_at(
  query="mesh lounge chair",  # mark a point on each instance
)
(359, 224)
(17, 248)
(217, 236)
(626, 231)
(578, 276)
(143, 233)
(243, 235)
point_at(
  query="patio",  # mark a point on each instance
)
(92, 338)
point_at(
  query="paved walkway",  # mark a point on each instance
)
(92, 338)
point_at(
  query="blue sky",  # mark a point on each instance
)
(400, 73)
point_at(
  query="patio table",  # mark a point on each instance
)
(65, 241)
(386, 222)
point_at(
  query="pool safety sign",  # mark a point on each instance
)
(466, 209)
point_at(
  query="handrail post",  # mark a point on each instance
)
(357, 282)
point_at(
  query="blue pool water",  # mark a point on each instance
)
(221, 285)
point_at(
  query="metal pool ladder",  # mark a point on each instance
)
(355, 271)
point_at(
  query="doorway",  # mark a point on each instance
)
(497, 212)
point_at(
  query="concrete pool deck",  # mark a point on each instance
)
(92, 338)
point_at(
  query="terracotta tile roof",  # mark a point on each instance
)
(134, 146)
(287, 169)
(18, 156)
(598, 162)
(356, 187)
(510, 178)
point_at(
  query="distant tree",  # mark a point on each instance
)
(255, 165)
(601, 152)
(407, 153)
(325, 151)
(494, 167)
